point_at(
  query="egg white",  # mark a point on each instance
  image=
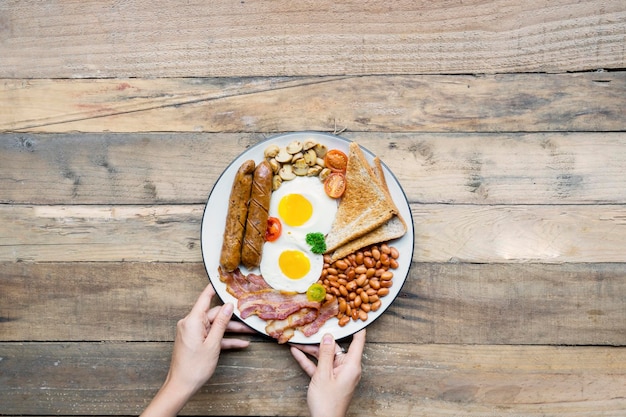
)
(324, 207)
(271, 272)
(293, 238)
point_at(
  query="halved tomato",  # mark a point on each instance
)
(316, 292)
(274, 229)
(335, 185)
(336, 161)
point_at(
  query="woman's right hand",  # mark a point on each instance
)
(334, 377)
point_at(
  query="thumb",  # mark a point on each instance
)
(326, 355)
(218, 327)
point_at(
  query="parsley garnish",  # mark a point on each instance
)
(317, 242)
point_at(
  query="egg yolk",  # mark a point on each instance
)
(295, 209)
(294, 264)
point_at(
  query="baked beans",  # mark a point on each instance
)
(359, 281)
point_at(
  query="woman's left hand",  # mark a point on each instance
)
(199, 340)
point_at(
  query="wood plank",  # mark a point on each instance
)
(77, 301)
(550, 234)
(443, 233)
(435, 380)
(591, 101)
(165, 233)
(137, 39)
(177, 168)
(572, 304)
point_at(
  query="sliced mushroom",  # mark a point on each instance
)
(271, 151)
(275, 165)
(314, 171)
(296, 156)
(310, 157)
(294, 147)
(320, 150)
(286, 172)
(324, 173)
(276, 182)
(300, 167)
(283, 156)
(308, 144)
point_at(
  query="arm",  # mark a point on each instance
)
(334, 378)
(199, 339)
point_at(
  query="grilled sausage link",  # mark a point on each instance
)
(258, 213)
(230, 256)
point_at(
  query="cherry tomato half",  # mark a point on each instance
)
(335, 185)
(316, 292)
(274, 229)
(336, 161)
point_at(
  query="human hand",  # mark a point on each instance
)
(199, 340)
(335, 377)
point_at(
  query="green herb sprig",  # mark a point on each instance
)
(317, 242)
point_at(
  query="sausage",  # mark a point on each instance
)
(258, 213)
(236, 216)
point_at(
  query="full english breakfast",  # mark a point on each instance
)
(310, 225)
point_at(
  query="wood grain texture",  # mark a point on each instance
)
(181, 168)
(164, 233)
(137, 38)
(591, 101)
(503, 120)
(443, 233)
(571, 304)
(447, 380)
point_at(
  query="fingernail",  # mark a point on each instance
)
(227, 309)
(328, 339)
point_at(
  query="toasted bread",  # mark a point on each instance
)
(364, 206)
(392, 229)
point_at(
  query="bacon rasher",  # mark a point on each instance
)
(239, 285)
(283, 330)
(273, 305)
(284, 312)
(328, 310)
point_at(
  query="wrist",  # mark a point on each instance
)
(169, 400)
(329, 411)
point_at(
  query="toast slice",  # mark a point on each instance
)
(364, 206)
(392, 229)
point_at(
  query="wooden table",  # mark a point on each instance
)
(504, 122)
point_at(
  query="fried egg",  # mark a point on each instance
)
(302, 207)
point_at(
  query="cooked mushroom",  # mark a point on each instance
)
(310, 157)
(296, 156)
(314, 171)
(294, 147)
(276, 182)
(300, 167)
(308, 144)
(320, 150)
(271, 151)
(324, 173)
(286, 172)
(283, 156)
(275, 165)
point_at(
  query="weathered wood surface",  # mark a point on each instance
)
(444, 233)
(572, 304)
(591, 101)
(142, 38)
(461, 168)
(445, 380)
(504, 122)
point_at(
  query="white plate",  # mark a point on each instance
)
(214, 220)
